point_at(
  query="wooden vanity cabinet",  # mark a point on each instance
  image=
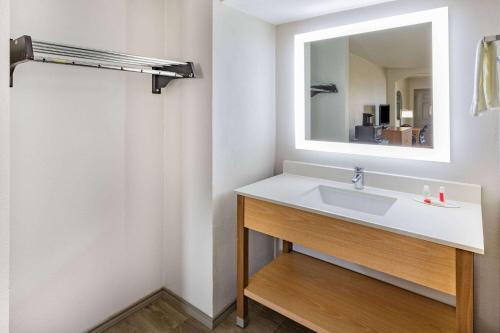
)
(327, 298)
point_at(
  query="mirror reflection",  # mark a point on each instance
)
(371, 88)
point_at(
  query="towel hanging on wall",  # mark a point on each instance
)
(486, 87)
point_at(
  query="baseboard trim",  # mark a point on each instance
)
(128, 311)
(176, 301)
(185, 307)
(221, 316)
(182, 305)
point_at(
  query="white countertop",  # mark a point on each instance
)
(456, 227)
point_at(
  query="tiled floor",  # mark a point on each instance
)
(161, 317)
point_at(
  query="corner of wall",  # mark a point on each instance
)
(244, 134)
(4, 166)
(188, 209)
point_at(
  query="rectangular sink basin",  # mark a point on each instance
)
(356, 200)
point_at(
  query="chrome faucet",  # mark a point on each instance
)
(359, 178)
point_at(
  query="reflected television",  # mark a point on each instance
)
(384, 111)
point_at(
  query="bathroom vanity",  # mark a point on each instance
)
(378, 228)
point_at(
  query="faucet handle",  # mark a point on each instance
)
(359, 169)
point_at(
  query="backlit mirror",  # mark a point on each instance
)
(376, 88)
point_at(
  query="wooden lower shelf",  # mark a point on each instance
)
(328, 298)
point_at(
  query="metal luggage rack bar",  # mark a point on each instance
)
(323, 89)
(25, 49)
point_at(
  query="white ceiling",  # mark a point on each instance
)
(283, 11)
(405, 47)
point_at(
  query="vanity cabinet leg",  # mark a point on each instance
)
(242, 266)
(287, 246)
(465, 291)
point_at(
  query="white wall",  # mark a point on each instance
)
(329, 113)
(475, 147)
(188, 228)
(113, 189)
(243, 134)
(367, 86)
(395, 75)
(86, 198)
(4, 165)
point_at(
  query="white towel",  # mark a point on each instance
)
(486, 88)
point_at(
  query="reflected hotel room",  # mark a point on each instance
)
(371, 88)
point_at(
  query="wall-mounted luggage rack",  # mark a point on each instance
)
(491, 39)
(323, 89)
(25, 49)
